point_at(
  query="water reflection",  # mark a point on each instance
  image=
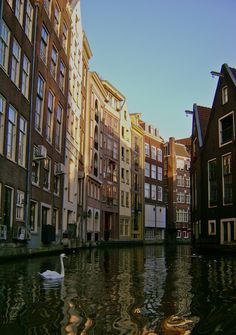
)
(121, 291)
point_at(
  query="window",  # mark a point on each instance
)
(11, 133)
(227, 179)
(153, 152)
(127, 177)
(180, 180)
(122, 198)
(147, 169)
(187, 181)
(147, 190)
(180, 198)
(182, 215)
(224, 95)
(58, 127)
(44, 45)
(35, 172)
(25, 77)
(211, 227)
(22, 141)
(180, 164)
(15, 63)
(57, 19)
(20, 197)
(62, 76)
(49, 122)
(154, 192)
(56, 184)
(124, 227)
(160, 194)
(19, 6)
(64, 37)
(115, 150)
(154, 171)
(53, 65)
(127, 199)
(226, 129)
(188, 198)
(47, 6)
(29, 20)
(212, 183)
(46, 173)
(159, 173)
(33, 216)
(123, 154)
(159, 155)
(39, 104)
(4, 46)
(2, 122)
(147, 150)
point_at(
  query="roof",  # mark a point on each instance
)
(204, 115)
(180, 150)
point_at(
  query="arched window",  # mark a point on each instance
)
(96, 137)
(89, 213)
(96, 110)
(125, 115)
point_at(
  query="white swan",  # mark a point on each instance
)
(53, 274)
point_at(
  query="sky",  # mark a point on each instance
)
(159, 54)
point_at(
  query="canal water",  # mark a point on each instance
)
(133, 290)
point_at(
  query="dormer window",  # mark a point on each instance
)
(224, 95)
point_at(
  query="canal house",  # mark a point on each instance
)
(213, 166)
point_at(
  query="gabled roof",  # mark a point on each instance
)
(201, 118)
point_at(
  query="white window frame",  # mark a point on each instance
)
(147, 190)
(211, 224)
(153, 192)
(2, 122)
(29, 20)
(49, 119)
(44, 44)
(20, 200)
(159, 155)
(22, 137)
(54, 61)
(4, 46)
(147, 149)
(223, 182)
(59, 124)
(39, 103)
(11, 133)
(159, 193)
(62, 76)
(221, 144)
(57, 18)
(225, 97)
(19, 7)
(147, 169)
(153, 171)
(159, 173)
(153, 152)
(15, 62)
(25, 77)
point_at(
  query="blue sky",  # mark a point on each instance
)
(159, 53)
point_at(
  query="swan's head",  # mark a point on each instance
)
(63, 255)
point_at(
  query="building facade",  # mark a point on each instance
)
(213, 161)
(155, 210)
(177, 188)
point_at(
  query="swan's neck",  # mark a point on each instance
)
(62, 267)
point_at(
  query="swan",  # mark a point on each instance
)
(52, 275)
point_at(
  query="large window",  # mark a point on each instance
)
(154, 192)
(11, 133)
(147, 190)
(212, 183)
(154, 171)
(227, 179)
(2, 122)
(25, 77)
(159, 155)
(64, 36)
(29, 20)
(20, 197)
(44, 45)
(160, 193)
(57, 15)
(4, 46)
(49, 122)
(182, 215)
(15, 63)
(19, 7)
(58, 127)
(39, 104)
(147, 169)
(62, 76)
(147, 150)
(159, 171)
(53, 65)
(226, 129)
(153, 152)
(22, 141)
(46, 173)
(180, 180)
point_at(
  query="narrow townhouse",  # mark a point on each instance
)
(155, 209)
(93, 158)
(137, 179)
(70, 228)
(177, 187)
(213, 166)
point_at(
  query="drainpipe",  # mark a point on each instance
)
(29, 146)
